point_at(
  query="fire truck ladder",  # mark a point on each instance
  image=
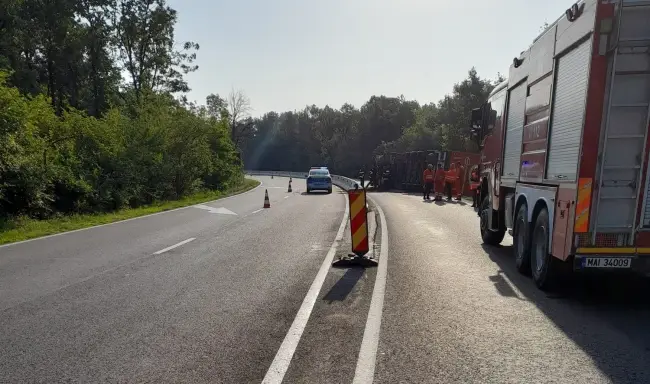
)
(623, 144)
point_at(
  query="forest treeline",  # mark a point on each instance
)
(348, 138)
(90, 114)
(93, 117)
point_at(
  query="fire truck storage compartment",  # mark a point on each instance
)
(514, 131)
(568, 112)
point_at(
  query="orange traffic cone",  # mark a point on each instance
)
(289, 189)
(267, 203)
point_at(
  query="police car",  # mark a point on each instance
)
(319, 178)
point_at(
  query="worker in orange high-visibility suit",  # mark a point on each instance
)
(427, 179)
(439, 181)
(460, 174)
(450, 180)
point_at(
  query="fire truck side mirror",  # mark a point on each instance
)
(476, 125)
(477, 119)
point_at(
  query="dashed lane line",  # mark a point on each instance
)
(175, 246)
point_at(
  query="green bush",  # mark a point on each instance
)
(157, 150)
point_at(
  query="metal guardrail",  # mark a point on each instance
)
(340, 181)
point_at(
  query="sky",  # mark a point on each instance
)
(286, 54)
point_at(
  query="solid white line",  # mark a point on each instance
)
(283, 357)
(286, 197)
(365, 370)
(124, 221)
(175, 246)
(259, 210)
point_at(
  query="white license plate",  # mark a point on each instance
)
(606, 262)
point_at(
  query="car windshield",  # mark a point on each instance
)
(319, 172)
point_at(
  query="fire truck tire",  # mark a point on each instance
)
(521, 240)
(545, 268)
(489, 237)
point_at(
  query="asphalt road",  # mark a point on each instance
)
(106, 305)
(229, 292)
(456, 311)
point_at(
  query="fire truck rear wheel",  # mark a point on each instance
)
(545, 268)
(489, 237)
(521, 240)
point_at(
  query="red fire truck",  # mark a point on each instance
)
(564, 145)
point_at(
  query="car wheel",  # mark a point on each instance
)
(489, 237)
(521, 240)
(329, 190)
(546, 269)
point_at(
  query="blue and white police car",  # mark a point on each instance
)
(319, 179)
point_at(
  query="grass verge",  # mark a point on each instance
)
(25, 228)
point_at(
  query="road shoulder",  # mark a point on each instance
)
(33, 229)
(328, 350)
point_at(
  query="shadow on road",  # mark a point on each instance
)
(591, 311)
(316, 193)
(345, 285)
(406, 193)
(503, 287)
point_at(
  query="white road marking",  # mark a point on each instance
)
(175, 246)
(259, 210)
(123, 221)
(283, 357)
(222, 210)
(286, 197)
(365, 370)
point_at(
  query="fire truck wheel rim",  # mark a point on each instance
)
(521, 238)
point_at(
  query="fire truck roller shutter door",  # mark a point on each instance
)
(568, 108)
(514, 131)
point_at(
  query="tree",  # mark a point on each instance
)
(241, 125)
(543, 28)
(217, 106)
(63, 48)
(349, 138)
(75, 137)
(145, 37)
